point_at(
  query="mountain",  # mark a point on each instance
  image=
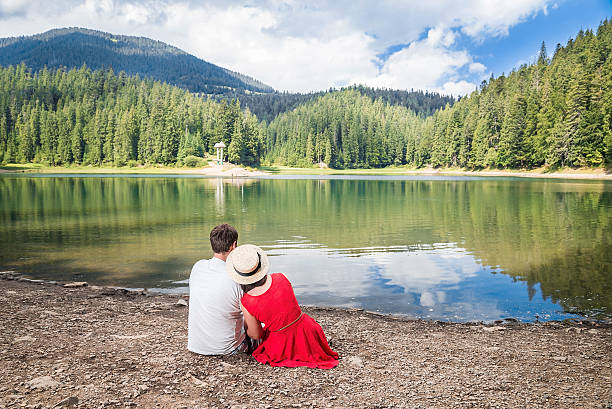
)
(73, 47)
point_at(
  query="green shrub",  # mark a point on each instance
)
(193, 161)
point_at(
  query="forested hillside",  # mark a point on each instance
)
(556, 112)
(73, 47)
(95, 117)
(342, 129)
(267, 106)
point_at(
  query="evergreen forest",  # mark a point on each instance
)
(98, 118)
(267, 106)
(555, 112)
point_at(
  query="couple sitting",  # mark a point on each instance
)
(233, 292)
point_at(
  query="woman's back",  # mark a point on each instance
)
(291, 338)
(276, 307)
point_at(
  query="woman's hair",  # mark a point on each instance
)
(248, 287)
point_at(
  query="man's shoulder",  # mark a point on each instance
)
(213, 264)
(200, 264)
(211, 270)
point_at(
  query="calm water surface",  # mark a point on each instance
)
(456, 248)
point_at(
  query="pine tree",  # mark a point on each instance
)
(511, 152)
(237, 147)
(574, 131)
(309, 150)
(543, 56)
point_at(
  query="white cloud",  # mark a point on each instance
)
(459, 88)
(427, 64)
(477, 67)
(299, 45)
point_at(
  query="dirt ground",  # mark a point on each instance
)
(91, 347)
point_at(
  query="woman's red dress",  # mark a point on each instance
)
(290, 338)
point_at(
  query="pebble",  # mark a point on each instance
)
(493, 329)
(76, 284)
(181, 303)
(43, 382)
(24, 339)
(355, 361)
(68, 402)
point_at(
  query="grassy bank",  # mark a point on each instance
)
(570, 173)
(38, 168)
(582, 173)
(137, 170)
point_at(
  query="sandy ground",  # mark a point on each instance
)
(224, 171)
(91, 347)
(233, 171)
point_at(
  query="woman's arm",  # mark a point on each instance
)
(252, 324)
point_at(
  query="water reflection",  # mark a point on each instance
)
(439, 284)
(456, 248)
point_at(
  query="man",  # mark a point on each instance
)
(215, 319)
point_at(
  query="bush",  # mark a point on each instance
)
(193, 161)
(132, 163)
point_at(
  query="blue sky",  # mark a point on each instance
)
(522, 44)
(446, 46)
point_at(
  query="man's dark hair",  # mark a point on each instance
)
(222, 237)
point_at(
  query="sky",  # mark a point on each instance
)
(446, 46)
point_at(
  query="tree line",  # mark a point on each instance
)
(267, 106)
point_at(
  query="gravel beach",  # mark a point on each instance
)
(89, 347)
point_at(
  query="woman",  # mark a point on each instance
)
(290, 337)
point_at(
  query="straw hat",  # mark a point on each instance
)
(247, 264)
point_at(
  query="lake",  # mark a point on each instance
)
(449, 248)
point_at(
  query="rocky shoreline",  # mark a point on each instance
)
(74, 345)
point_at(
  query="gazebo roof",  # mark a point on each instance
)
(219, 145)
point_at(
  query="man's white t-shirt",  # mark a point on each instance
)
(215, 325)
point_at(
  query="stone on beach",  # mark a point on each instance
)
(27, 338)
(70, 402)
(355, 362)
(43, 382)
(76, 284)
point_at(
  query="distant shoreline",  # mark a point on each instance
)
(230, 170)
(400, 171)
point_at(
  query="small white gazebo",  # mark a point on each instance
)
(220, 146)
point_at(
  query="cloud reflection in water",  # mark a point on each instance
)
(438, 282)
